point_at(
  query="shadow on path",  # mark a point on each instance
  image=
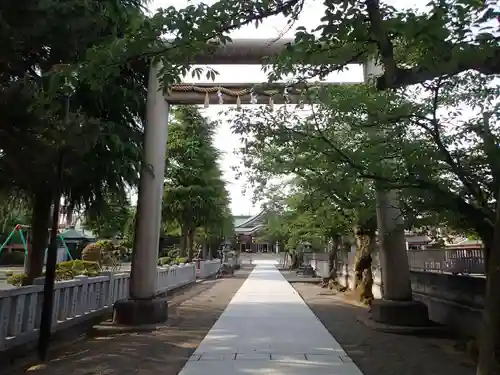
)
(377, 353)
(192, 314)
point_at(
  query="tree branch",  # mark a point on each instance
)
(459, 58)
(455, 165)
(454, 57)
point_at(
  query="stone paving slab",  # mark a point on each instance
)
(267, 328)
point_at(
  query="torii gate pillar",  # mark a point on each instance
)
(397, 306)
(144, 306)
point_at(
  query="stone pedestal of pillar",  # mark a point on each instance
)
(135, 312)
(400, 313)
(397, 306)
(144, 306)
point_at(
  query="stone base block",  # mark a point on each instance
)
(432, 329)
(131, 312)
(400, 313)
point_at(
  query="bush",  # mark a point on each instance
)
(126, 247)
(180, 260)
(17, 280)
(76, 266)
(129, 244)
(171, 252)
(64, 271)
(92, 253)
(109, 252)
(164, 261)
(174, 252)
(105, 253)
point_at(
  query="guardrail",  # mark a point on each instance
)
(454, 261)
(78, 300)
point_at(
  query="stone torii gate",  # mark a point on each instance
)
(144, 307)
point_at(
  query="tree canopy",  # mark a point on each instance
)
(52, 111)
(436, 143)
(72, 83)
(414, 45)
(439, 140)
(112, 219)
(195, 192)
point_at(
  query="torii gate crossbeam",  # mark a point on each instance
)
(242, 51)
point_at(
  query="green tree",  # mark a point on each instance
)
(195, 194)
(111, 219)
(14, 209)
(98, 130)
(445, 38)
(216, 223)
(195, 29)
(422, 160)
(103, 46)
(437, 143)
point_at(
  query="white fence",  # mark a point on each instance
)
(78, 300)
(207, 268)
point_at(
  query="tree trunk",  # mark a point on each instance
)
(42, 203)
(190, 245)
(183, 243)
(363, 277)
(332, 258)
(297, 259)
(205, 250)
(488, 241)
(69, 215)
(489, 344)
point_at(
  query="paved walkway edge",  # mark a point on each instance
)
(267, 328)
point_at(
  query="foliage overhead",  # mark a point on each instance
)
(195, 192)
(437, 143)
(14, 210)
(52, 112)
(445, 38)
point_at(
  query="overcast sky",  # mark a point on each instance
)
(270, 28)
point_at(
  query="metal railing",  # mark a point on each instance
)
(454, 261)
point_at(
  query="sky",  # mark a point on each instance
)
(271, 28)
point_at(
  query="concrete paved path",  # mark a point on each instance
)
(268, 329)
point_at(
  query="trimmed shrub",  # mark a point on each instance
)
(105, 253)
(92, 253)
(174, 252)
(64, 271)
(164, 261)
(180, 260)
(17, 280)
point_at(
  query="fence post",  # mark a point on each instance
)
(84, 295)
